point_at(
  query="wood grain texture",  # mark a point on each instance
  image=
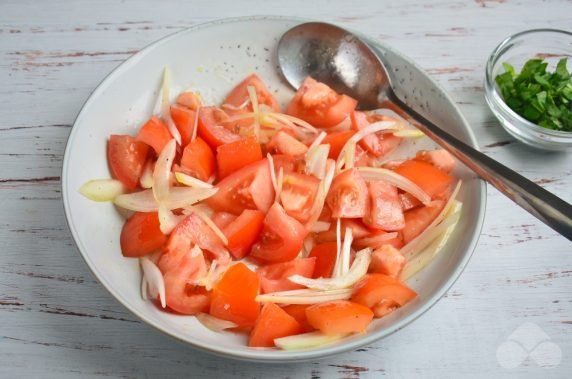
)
(57, 321)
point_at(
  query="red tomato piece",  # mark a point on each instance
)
(211, 129)
(248, 188)
(348, 195)
(298, 194)
(408, 201)
(371, 142)
(373, 288)
(418, 219)
(284, 143)
(233, 156)
(387, 260)
(184, 119)
(325, 254)
(431, 179)
(281, 239)
(359, 230)
(298, 312)
(155, 134)
(239, 94)
(384, 210)
(198, 160)
(337, 140)
(441, 159)
(274, 277)
(339, 317)
(223, 219)
(141, 235)
(126, 158)
(377, 240)
(243, 232)
(318, 104)
(273, 322)
(234, 296)
(189, 100)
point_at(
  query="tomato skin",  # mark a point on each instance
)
(281, 239)
(348, 195)
(155, 134)
(384, 210)
(211, 129)
(233, 296)
(141, 235)
(248, 188)
(233, 156)
(184, 119)
(243, 232)
(273, 322)
(126, 158)
(198, 160)
(239, 94)
(339, 317)
(373, 288)
(325, 254)
(337, 140)
(298, 194)
(319, 105)
(274, 277)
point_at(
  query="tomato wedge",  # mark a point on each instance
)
(384, 210)
(184, 119)
(243, 232)
(348, 195)
(418, 219)
(155, 134)
(373, 288)
(320, 105)
(198, 232)
(298, 312)
(274, 277)
(234, 296)
(211, 129)
(430, 178)
(239, 94)
(441, 159)
(284, 143)
(141, 235)
(387, 260)
(339, 317)
(298, 194)
(189, 100)
(126, 158)
(325, 254)
(337, 140)
(273, 322)
(223, 219)
(281, 239)
(248, 188)
(198, 160)
(233, 156)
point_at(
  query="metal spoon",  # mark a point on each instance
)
(336, 57)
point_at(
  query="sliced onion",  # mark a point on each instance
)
(195, 125)
(254, 100)
(210, 223)
(391, 177)
(181, 197)
(166, 105)
(293, 122)
(335, 271)
(167, 220)
(146, 179)
(444, 231)
(323, 189)
(215, 324)
(344, 125)
(307, 247)
(422, 240)
(319, 139)
(321, 226)
(409, 133)
(162, 172)
(272, 173)
(102, 189)
(317, 160)
(234, 107)
(279, 184)
(375, 241)
(142, 201)
(305, 296)
(154, 279)
(191, 181)
(356, 272)
(306, 341)
(342, 264)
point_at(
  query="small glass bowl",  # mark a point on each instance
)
(550, 44)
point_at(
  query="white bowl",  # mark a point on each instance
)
(212, 57)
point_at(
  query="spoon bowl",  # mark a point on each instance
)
(341, 60)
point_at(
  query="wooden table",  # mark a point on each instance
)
(57, 321)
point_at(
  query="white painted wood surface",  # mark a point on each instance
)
(57, 321)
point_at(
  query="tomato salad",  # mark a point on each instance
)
(294, 227)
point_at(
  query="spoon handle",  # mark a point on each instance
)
(542, 204)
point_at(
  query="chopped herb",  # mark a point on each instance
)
(539, 96)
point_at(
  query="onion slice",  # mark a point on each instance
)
(305, 296)
(215, 324)
(391, 177)
(323, 189)
(181, 197)
(166, 105)
(375, 241)
(316, 161)
(162, 172)
(355, 273)
(153, 277)
(254, 100)
(191, 181)
(146, 179)
(102, 189)
(272, 173)
(142, 201)
(305, 341)
(167, 220)
(321, 226)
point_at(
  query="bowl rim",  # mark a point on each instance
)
(491, 88)
(270, 356)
